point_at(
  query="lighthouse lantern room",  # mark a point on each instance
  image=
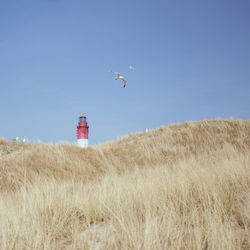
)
(82, 132)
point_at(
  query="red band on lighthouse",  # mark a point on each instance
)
(82, 132)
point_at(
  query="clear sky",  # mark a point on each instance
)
(191, 59)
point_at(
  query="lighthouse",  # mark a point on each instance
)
(82, 132)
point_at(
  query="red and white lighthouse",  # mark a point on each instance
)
(82, 132)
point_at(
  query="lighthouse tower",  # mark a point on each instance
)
(82, 132)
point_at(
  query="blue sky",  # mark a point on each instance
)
(191, 59)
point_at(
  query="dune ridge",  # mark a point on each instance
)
(184, 186)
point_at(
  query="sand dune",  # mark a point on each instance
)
(185, 186)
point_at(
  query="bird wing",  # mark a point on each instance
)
(116, 73)
(125, 83)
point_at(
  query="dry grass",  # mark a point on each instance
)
(185, 186)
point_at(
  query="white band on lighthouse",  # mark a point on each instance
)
(83, 143)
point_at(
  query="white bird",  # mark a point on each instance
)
(119, 77)
(131, 67)
(16, 139)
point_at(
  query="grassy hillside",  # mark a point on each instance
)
(184, 186)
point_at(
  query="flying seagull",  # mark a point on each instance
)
(131, 67)
(119, 77)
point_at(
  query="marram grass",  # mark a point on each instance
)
(185, 186)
